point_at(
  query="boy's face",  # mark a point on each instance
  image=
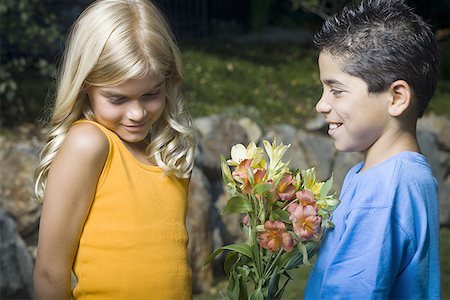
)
(357, 120)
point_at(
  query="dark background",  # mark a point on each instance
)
(32, 36)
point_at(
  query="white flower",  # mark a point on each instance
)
(240, 153)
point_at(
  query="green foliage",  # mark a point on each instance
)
(269, 83)
(27, 31)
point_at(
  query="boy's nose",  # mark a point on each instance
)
(322, 106)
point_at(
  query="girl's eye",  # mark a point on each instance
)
(116, 100)
(152, 94)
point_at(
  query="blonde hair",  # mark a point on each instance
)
(111, 42)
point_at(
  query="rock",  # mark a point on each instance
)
(19, 159)
(16, 263)
(217, 140)
(287, 134)
(440, 126)
(200, 243)
(319, 151)
(231, 230)
(428, 142)
(252, 129)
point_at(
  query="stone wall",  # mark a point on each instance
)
(208, 229)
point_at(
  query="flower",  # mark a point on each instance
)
(309, 181)
(305, 221)
(286, 189)
(306, 197)
(275, 237)
(239, 153)
(284, 212)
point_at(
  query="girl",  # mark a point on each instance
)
(113, 174)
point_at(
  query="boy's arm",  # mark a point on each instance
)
(70, 188)
(369, 256)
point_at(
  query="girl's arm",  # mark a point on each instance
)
(71, 184)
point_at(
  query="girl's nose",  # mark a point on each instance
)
(136, 111)
(323, 106)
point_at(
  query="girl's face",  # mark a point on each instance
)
(357, 120)
(129, 109)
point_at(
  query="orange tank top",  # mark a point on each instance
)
(134, 242)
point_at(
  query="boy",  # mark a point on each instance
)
(378, 68)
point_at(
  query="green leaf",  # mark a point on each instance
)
(262, 188)
(243, 249)
(257, 294)
(280, 215)
(226, 172)
(237, 204)
(305, 255)
(273, 284)
(298, 258)
(230, 260)
(243, 287)
(326, 188)
(281, 291)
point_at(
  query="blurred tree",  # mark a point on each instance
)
(27, 32)
(259, 14)
(322, 8)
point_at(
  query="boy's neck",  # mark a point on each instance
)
(390, 144)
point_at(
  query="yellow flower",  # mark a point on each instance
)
(276, 167)
(310, 183)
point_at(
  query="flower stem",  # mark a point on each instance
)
(267, 272)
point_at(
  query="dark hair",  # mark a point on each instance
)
(381, 41)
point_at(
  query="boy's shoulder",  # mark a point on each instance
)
(406, 173)
(406, 165)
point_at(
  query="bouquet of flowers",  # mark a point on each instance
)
(284, 215)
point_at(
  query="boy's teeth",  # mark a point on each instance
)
(333, 126)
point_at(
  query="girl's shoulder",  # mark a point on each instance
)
(87, 139)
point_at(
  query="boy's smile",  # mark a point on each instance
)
(356, 119)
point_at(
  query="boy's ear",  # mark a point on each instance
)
(400, 98)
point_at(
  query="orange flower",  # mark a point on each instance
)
(305, 221)
(258, 176)
(240, 173)
(276, 237)
(285, 188)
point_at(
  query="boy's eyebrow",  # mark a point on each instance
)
(332, 82)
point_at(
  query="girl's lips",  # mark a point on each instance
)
(134, 127)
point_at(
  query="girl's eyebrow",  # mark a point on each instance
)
(112, 93)
(157, 86)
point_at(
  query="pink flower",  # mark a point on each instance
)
(246, 220)
(305, 198)
(276, 237)
(305, 221)
(285, 188)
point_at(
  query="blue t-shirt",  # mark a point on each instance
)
(385, 243)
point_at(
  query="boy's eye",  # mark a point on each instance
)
(335, 92)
